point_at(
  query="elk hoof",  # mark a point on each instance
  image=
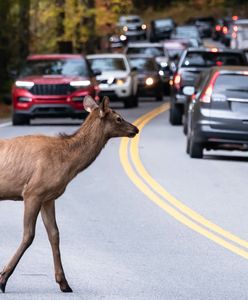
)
(2, 287)
(66, 289)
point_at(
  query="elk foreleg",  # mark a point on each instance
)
(49, 219)
(31, 211)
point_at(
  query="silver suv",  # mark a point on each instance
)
(133, 27)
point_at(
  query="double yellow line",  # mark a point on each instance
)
(131, 162)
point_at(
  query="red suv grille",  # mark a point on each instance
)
(51, 89)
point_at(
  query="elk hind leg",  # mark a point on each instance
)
(49, 220)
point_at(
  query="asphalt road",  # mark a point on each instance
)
(122, 240)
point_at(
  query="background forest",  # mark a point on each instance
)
(46, 26)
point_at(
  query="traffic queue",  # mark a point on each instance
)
(207, 86)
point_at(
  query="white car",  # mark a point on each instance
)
(117, 80)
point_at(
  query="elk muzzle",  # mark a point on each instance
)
(132, 131)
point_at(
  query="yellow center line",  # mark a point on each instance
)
(153, 189)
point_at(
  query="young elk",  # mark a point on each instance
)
(36, 169)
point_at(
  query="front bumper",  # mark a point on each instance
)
(52, 111)
(152, 91)
(115, 90)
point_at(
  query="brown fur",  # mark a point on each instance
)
(37, 169)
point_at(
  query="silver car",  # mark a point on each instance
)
(218, 112)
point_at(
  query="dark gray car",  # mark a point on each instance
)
(218, 113)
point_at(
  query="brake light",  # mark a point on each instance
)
(235, 18)
(207, 94)
(218, 28)
(177, 81)
(235, 28)
(225, 30)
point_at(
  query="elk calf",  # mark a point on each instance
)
(36, 169)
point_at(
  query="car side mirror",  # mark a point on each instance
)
(97, 72)
(188, 90)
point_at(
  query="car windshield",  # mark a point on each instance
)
(163, 23)
(143, 64)
(66, 67)
(229, 83)
(107, 64)
(189, 32)
(209, 59)
(154, 51)
(131, 21)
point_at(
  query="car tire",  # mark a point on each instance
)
(131, 101)
(159, 97)
(175, 114)
(187, 145)
(195, 149)
(20, 120)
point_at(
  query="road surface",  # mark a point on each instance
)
(143, 222)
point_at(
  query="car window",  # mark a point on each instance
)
(191, 32)
(66, 67)
(231, 83)
(162, 23)
(107, 64)
(130, 21)
(209, 59)
(154, 51)
(143, 64)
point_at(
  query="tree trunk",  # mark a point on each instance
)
(24, 28)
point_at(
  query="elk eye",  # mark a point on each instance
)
(118, 120)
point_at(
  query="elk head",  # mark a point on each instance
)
(112, 122)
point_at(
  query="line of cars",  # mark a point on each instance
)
(210, 98)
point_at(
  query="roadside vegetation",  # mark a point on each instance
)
(48, 26)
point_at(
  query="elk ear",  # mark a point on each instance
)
(89, 104)
(104, 107)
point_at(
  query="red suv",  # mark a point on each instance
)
(52, 85)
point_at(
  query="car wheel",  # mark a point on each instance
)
(175, 114)
(187, 145)
(195, 149)
(131, 101)
(159, 97)
(20, 120)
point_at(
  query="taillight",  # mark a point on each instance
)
(218, 28)
(177, 81)
(207, 93)
(225, 30)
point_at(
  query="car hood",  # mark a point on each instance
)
(162, 59)
(147, 74)
(115, 74)
(51, 79)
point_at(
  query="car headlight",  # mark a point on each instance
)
(123, 37)
(120, 81)
(143, 26)
(80, 83)
(149, 81)
(24, 84)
